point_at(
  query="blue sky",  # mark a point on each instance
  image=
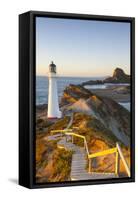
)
(82, 47)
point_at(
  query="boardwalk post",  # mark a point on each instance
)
(123, 160)
(66, 138)
(117, 163)
(72, 139)
(84, 144)
(90, 163)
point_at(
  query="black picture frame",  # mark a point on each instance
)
(27, 94)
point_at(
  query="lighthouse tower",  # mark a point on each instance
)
(53, 105)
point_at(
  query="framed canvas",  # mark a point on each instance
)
(76, 99)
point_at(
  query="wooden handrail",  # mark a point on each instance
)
(123, 159)
(82, 137)
(86, 146)
(103, 153)
(116, 150)
(61, 131)
(75, 134)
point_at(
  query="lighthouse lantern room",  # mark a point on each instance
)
(53, 104)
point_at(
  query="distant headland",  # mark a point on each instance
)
(119, 76)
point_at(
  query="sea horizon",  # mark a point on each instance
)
(62, 76)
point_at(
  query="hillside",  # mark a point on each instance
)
(113, 116)
(100, 119)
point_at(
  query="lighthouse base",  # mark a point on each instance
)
(58, 116)
(52, 118)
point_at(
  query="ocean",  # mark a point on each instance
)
(42, 86)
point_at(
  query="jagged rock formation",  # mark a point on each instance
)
(72, 93)
(106, 111)
(119, 76)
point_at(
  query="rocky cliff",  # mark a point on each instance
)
(100, 119)
(119, 76)
(105, 110)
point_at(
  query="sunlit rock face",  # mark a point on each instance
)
(112, 115)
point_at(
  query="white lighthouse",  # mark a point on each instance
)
(53, 105)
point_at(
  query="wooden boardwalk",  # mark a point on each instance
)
(81, 155)
(79, 160)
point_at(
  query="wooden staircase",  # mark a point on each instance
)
(81, 155)
(79, 160)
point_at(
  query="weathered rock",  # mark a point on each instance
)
(72, 93)
(112, 115)
(93, 82)
(119, 76)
